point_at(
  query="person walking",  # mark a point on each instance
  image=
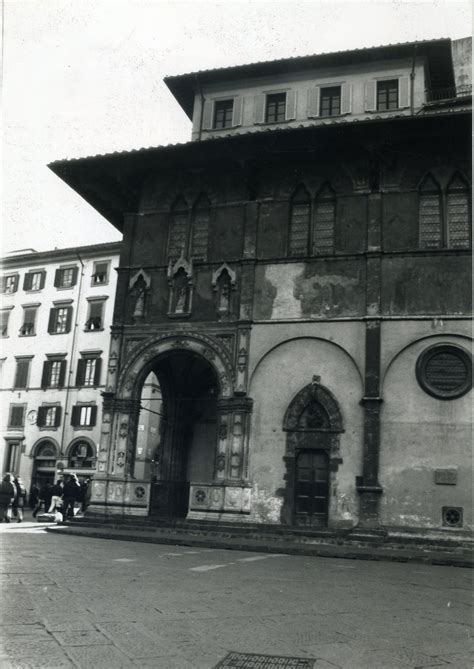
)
(20, 499)
(7, 496)
(71, 494)
(33, 497)
(44, 497)
(56, 499)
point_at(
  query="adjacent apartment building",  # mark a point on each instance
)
(55, 316)
(296, 279)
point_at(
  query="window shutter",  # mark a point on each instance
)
(404, 92)
(62, 374)
(75, 415)
(96, 310)
(21, 379)
(93, 416)
(28, 281)
(41, 418)
(15, 283)
(74, 276)
(207, 115)
(81, 372)
(290, 111)
(52, 320)
(313, 102)
(259, 108)
(57, 417)
(98, 365)
(370, 95)
(46, 374)
(237, 111)
(42, 280)
(68, 319)
(346, 98)
(4, 284)
(57, 278)
(16, 418)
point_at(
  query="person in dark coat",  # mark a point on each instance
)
(7, 496)
(33, 497)
(44, 497)
(71, 494)
(20, 499)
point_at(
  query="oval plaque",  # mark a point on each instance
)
(445, 371)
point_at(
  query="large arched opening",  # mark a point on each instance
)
(176, 432)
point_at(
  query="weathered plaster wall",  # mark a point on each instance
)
(420, 434)
(279, 376)
(462, 60)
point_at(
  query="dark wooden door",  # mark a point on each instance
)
(312, 488)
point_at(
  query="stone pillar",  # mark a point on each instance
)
(233, 436)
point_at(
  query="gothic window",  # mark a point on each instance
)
(178, 230)
(324, 220)
(300, 217)
(200, 229)
(429, 199)
(457, 213)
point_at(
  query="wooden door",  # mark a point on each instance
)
(312, 488)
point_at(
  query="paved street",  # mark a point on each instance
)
(78, 602)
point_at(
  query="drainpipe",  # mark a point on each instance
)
(412, 83)
(73, 345)
(198, 86)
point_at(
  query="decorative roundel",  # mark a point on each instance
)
(445, 371)
(139, 492)
(200, 495)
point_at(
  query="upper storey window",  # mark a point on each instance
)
(330, 101)
(189, 230)
(387, 95)
(324, 101)
(444, 214)
(223, 112)
(312, 223)
(65, 277)
(9, 283)
(34, 281)
(275, 110)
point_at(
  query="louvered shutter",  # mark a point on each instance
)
(237, 111)
(98, 365)
(16, 417)
(68, 319)
(93, 416)
(207, 115)
(346, 98)
(404, 92)
(57, 278)
(75, 415)
(41, 418)
(15, 283)
(62, 374)
(28, 281)
(57, 417)
(46, 374)
(74, 276)
(81, 372)
(42, 280)
(313, 102)
(4, 284)
(21, 376)
(370, 95)
(259, 108)
(290, 111)
(52, 320)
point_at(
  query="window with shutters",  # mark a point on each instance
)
(387, 95)
(17, 415)
(324, 221)
(330, 101)
(22, 372)
(95, 316)
(4, 318)
(28, 327)
(200, 229)
(300, 218)
(84, 415)
(88, 371)
(223, 114)
(34, 281)
(178, 229)
(49, 416)
(275, 108)
(100, 275)
(444, 214)
(60, 320)
(65, 277)
(54, 372)
(9, 283)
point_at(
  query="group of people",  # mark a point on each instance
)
(60, 498)
(12, 498)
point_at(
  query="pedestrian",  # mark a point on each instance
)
(7, 495)
(19, 500)
(71, 494)
(56, 499)
(33, 496)
(85, 494)
(44, 497)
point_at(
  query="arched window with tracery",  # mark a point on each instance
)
(200, 228)
(324, 220)
(178, 229)
(457, 213)
(300, 217)
(429, 214)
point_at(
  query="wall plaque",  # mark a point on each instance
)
(446, 476)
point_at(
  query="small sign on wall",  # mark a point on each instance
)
(446, 476)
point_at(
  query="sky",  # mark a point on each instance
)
(85, 77)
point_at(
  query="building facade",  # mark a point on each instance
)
(296, 279)
(56, 311)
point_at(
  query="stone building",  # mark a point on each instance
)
(296, 278)
(56, 311)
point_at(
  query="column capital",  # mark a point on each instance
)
(235, 404)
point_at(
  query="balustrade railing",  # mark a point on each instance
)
(452, 93)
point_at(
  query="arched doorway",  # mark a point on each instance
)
(176, 430)
(313, 423)
(45, 456)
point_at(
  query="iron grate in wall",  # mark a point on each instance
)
(452, 516)
(256, 661)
